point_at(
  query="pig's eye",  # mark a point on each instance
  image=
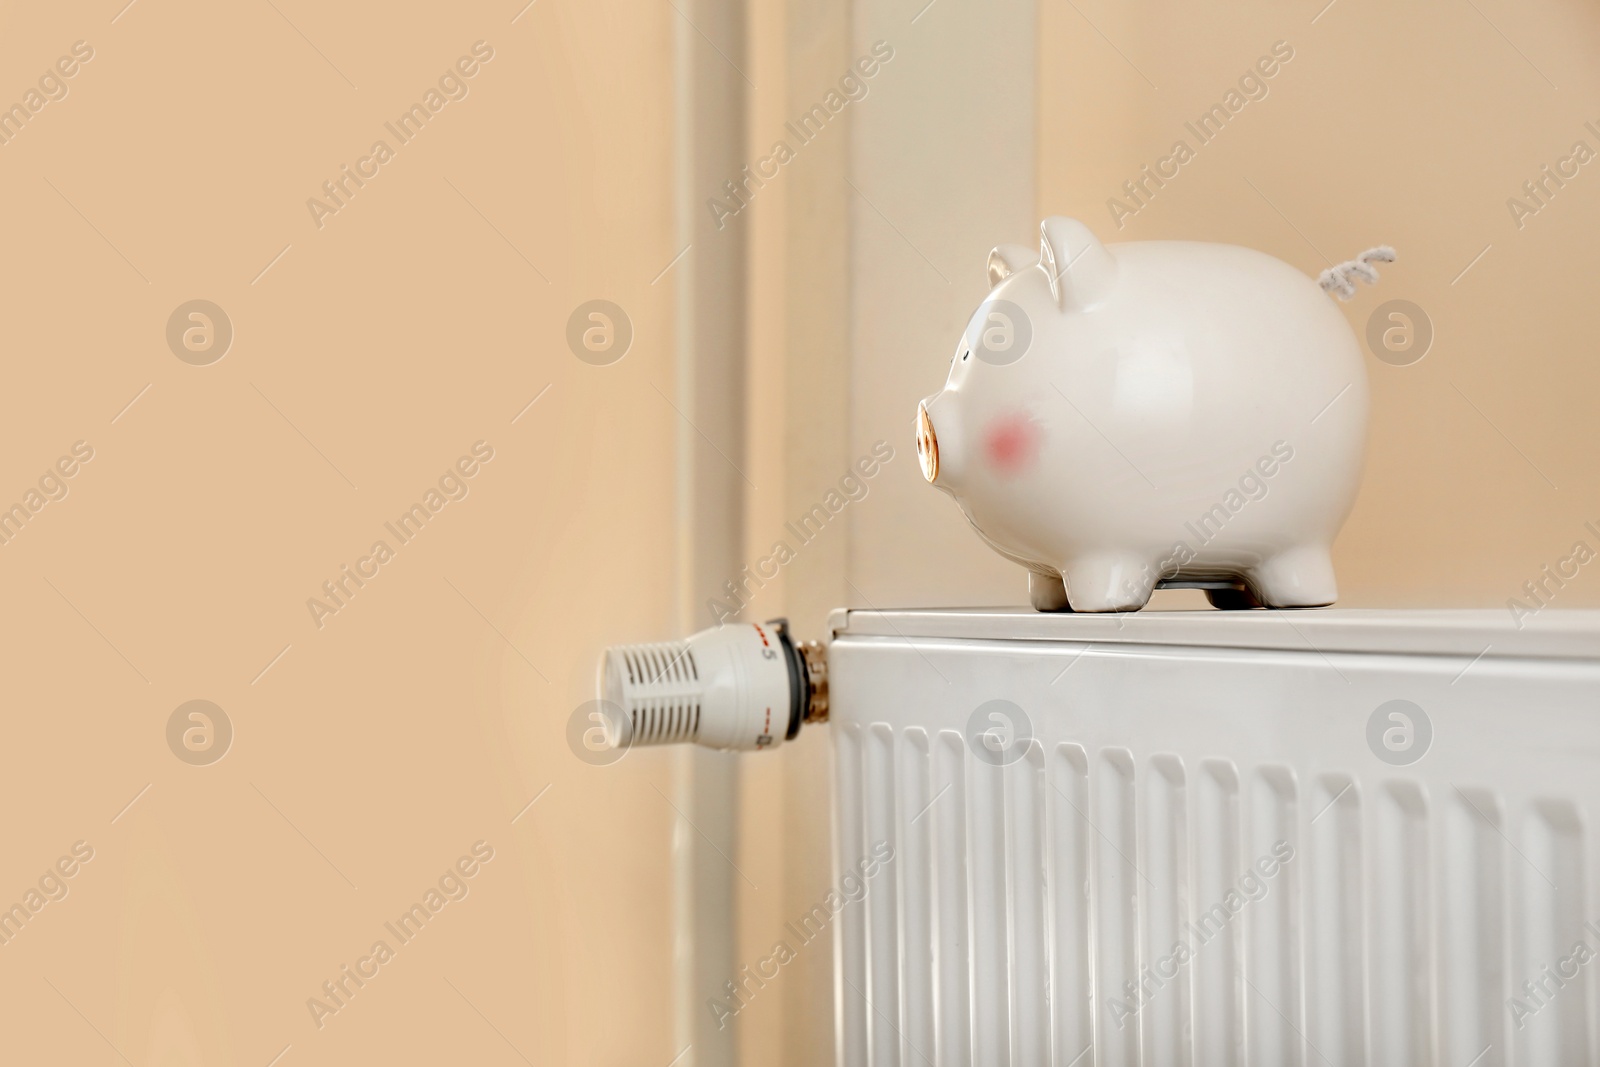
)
(965, 352)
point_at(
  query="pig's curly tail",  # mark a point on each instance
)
(1340, 280)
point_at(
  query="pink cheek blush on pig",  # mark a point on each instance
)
(1011, 444)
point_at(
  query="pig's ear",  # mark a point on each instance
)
(1006, 260)
(1081, 271)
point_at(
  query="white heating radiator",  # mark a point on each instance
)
(1200, 858)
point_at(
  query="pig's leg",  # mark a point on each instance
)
(1047, 592)
(1110, 581)
(1299, 578)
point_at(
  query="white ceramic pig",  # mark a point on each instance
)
(1161, 412)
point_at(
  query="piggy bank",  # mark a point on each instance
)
(1161, 413)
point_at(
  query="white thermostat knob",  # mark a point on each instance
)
(739, 686)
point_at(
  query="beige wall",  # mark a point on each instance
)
(425, 714)
(430, 710)
(1408, 124)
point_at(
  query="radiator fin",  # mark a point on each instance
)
(1273, 1024)
(918, 878)
(1070, 839)
(883, 923)
(1549, 978)
(952, 974)
(1336, 983)
(1027, 894)
(1163, 971)
(1472, 965)
(991, 1035)
(1400, 930)
(1216, 938)
(1117, 912)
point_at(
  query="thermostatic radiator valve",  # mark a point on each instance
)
(739, 686)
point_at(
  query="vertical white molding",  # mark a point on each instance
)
(945, 161)
(711, 299)
(944, 145)
(942, 167)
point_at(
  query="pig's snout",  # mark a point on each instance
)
(927, 445)
(940, 451)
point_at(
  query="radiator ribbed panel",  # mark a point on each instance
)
(1088, 906)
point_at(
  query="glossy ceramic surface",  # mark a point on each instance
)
(1165, 411)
